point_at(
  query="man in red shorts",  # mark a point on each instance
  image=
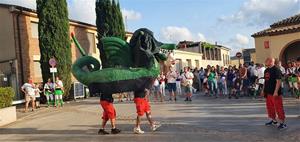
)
(109, 113)
(143, 107)
(272, 92)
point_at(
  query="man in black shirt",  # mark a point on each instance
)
(273, 94)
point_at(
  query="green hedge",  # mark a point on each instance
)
(7, 95)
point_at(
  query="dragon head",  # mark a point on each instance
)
(146, 48)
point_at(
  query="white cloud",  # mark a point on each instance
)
(25, 3)
(175, 34)
(82, 10)
(131, 14)
(201, 37)
(241, 39)
(263, 12)
(238, 43)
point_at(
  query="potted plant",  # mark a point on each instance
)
(7, 112)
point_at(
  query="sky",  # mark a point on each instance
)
(227, 22)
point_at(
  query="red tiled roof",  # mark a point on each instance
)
(288, 21)
(285, 26)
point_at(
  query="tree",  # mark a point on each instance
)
(103, 16)
(121, 22)
(54, 39)
(109, 22)
(115, 26)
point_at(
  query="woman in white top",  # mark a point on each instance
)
(171, 77)
(162, 85)
(178, 84)
(59, 91)
(292, 78)
(37, 95)
(157, 90)
(187, 82)
(260, 72)
(48, 92)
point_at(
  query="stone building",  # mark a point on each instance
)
(235, 61)
(192, 54)
(249, 55)
(281, 40)
(19, 45)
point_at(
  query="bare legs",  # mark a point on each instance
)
(172, 96)
(27, 104)
(112, 121)
(149, 118)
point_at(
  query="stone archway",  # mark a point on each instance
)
(290, 52)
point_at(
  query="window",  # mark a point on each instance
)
(37, 69)
(213, 53)
(34, 30)
(92, 43)
(203, 53)
(224, 60)
(200, 49)
(197, 63)
(178, 64)
(208, 54)
(189, 62)
(228, 59)
(216, 54)
(219, 55)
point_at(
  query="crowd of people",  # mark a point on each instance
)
(52, 91)
(270, 80)
(218, 81)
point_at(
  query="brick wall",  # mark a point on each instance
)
(31, 51)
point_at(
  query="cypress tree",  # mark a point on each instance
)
(121, 22)
(104, 18)
(109, 19)
(114, 23)
(100, 18)
(54, 39)
(109, 22)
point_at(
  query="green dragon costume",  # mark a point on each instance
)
(125, 66)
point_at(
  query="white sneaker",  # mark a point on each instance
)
(138, 131)
(155, 127)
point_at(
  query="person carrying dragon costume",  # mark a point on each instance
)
(125, 67)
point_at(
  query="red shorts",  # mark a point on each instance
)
(275, 107)
(142, 106)
(109, 111)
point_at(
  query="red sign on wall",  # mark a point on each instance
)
(267, 44)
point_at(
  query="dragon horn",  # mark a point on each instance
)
(78, 45)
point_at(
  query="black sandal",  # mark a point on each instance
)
(102, 132)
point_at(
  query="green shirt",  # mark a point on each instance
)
(211, 76)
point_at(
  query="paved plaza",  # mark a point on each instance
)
(205, 119)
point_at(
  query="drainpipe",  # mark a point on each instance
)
(20, 45)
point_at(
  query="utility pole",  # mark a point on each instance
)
(126, 24)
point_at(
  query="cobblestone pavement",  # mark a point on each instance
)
(204, 119)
